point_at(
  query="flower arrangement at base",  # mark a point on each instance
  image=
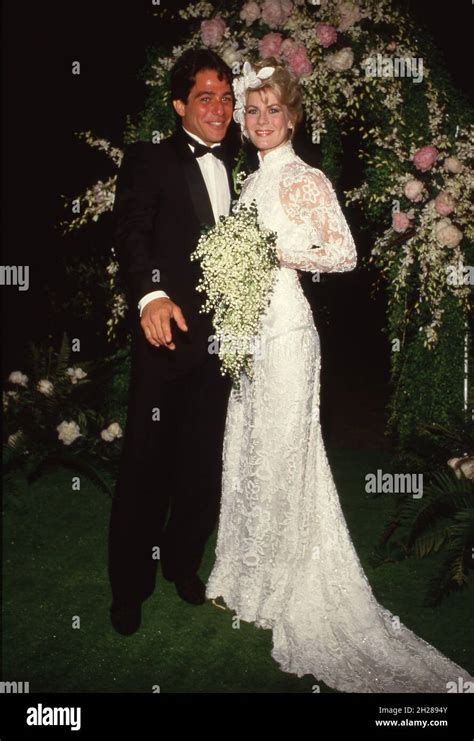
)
(238, 261)
(49, 420)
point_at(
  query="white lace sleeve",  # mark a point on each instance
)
(317, 237)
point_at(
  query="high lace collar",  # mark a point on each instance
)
(277, 156)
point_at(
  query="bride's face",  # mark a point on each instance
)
(266, 120)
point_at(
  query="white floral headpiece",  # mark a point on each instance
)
(248, 79)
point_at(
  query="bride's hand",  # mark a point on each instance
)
(299, 273)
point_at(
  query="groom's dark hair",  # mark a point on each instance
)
(184, 71)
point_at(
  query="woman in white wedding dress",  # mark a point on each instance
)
(284, 557)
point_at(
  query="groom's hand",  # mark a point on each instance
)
(155, 322)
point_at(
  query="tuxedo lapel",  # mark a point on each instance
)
(195, 181)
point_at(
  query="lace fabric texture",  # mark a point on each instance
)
(284, 557)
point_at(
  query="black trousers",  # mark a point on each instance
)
(167, 497)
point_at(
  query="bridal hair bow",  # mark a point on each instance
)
(248, 79)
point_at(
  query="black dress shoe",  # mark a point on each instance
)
(191, 589)
(126, 617)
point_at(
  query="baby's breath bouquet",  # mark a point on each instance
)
(238, 261)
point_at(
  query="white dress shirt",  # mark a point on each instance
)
(215, 177)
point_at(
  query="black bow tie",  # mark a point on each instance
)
(200, 149)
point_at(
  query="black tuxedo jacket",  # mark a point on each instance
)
(161, 205)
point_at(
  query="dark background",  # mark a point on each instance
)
(44, 104)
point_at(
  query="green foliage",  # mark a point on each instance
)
(116, 386)
(332, 152)
(441, 521)
(427, 384)
(158, 114)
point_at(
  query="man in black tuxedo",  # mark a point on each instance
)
(172, 452)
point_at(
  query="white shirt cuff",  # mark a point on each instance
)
(150, 297)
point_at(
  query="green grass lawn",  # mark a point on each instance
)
(55, 568)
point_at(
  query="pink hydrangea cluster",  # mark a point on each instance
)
(445, 203)
(424, 158)
(400, 221)
(326, 35)
(270, 45)
(212, 31)
(296, 58)
(275, 13)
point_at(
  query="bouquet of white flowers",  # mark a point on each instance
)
(238, 260)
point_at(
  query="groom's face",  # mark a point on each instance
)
(208, 110)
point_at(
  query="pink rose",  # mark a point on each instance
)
(444, 203)
(270, 45)
(391, 46)
(425, 158)
(298, 62)
(400, 222)
(276, 12)
(326, 35)
(250, 13)
(212, 31)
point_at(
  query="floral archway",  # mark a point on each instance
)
(362, 68)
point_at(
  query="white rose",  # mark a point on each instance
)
(349, 14)
(414, 190)
(45, 387)
(115, 429)
(463, 466)
(341, 60)
(452, 164)
(76, 374)
(107, 436)
(18, 377)
(447, 234)
(231, 54)
(68, 432)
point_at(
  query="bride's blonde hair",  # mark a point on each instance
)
(286, 88)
